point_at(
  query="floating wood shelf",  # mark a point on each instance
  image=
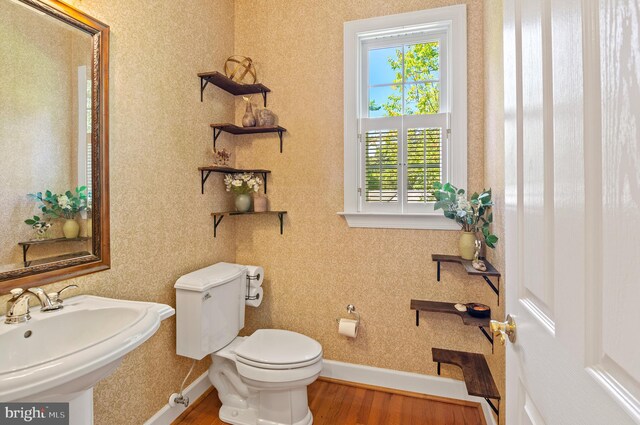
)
(449, 308)
(206, 171)
(476, 372)
(218, 216)
(28, 244)
(230, 86)
(486, 275)
(236, 130)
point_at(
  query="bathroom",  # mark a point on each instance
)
(156, 221)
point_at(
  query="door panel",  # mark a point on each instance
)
(572, 203)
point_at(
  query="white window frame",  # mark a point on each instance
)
(452, 20)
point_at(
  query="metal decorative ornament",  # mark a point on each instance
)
(240, 69)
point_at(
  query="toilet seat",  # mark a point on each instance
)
(276, 349)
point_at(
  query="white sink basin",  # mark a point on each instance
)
(56, 356)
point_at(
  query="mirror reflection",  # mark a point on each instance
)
(45, 138)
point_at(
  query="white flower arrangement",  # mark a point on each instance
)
(242, 183)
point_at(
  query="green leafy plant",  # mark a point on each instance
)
(66, 205)
(473, 215)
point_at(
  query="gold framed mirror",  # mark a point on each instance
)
(54, 159)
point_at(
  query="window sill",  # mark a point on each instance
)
(399, 221)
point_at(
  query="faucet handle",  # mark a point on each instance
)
(55, 296)
(16, 292)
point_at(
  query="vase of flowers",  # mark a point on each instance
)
(40, 227)
(473, 215)
(64, 206)
(242, 185)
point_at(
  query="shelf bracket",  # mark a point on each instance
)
(281, 217)
(489, 337)
(216, 222)
(203, 84)
(417, 317)
(495, 289)
(495, 408)
(25, 248)
(438, 271)
(216, 134)
(264, 97)
(204, 178)
(280, 135)
(264, 179)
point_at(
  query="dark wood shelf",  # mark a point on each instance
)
(28, 244)
(220, 80)
(218, 216)
(486, 275)
(237, 130)
(449, 308)
(476, 372)
(206, 171)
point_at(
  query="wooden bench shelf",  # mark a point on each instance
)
(449, 308)
(491, 271)
(225, 83)
(476, 372)
(206, 171)
(237, 130)
(218, 216)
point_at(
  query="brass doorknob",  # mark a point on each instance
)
(502, 330)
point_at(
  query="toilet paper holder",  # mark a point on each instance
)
(247, 296)
(351, 309)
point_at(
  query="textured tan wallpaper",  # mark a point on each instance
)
(160, 223)
(320, 264)
(494, 160)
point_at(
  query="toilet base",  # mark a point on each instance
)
(235, 416)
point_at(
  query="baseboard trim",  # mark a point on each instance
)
(427, 385)
(404, 381)
(167, 415)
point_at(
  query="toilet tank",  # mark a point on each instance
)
(210, 307)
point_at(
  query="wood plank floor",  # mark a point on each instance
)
(334, 403)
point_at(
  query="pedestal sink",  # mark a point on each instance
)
(59, 356)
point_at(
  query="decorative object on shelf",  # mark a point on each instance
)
(460, 307)
(266, 118)
(473, 215)
(40, 227)
(242, 185)
(240, 69)
(260, 203)
(478, 310)
(477, 263)
(249, 118)
(221, 157)
(66, 206)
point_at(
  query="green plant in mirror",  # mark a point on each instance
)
(66, 205)
(473, 215)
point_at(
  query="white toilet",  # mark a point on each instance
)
(261, 379)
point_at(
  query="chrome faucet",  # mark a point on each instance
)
(18, 305)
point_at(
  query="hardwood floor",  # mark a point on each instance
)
(334, 403)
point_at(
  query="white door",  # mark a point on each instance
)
(572, 135)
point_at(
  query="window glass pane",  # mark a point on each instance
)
(424, 163)
(385, 65)
(381, 166)
(422, 98)
(422, 62)
(385, 101)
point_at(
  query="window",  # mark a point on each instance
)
(405, 116)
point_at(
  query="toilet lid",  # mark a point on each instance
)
(278, 347)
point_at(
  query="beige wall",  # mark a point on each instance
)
(494, 156)
(160, 223)
(320, 264)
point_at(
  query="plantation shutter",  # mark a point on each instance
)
(381, 176)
